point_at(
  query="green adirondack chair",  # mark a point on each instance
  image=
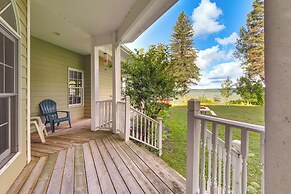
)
(49, 110)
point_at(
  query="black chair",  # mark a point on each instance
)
(49, 111)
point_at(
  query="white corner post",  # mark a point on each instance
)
(193, 148)
(160, 136)
(127, 118)
(278, 91)
(28, 85)
(94, 86)
(116, 85)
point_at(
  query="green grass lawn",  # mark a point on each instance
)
(175, 140)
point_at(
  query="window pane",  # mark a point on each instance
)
(3, 3)
(4, 138)
(14, 124)
(1, 48)
(9, 52)
(75, 75)
(4, 110)
(9, 17)
(9, 80)
(4, 130)
(1, 78)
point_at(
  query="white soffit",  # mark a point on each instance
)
(71, 23)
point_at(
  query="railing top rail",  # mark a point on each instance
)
(145, 116)
(237, 124)
(103, 100)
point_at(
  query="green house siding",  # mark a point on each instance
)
(15, 166)
(49, 76)
(105, 83)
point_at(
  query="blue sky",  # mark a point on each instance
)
(216, 24)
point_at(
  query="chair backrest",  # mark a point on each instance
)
(48, 106)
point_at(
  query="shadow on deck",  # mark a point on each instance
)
(80, 161)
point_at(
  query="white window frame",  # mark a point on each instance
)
(7, 29)
(82, 88)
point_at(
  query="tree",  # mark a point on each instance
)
(183, 55)
(251, 91)
(250, 45)
(226, 88)
(148, 79)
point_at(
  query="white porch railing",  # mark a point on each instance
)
(105, 114)
(225, 162)
(139, 127)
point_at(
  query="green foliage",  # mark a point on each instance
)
(250, 45)
(148, 79)
(251, 91)
(205, 100)
(183, 55)
(226, 88)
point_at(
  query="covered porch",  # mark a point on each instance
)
(78, 160)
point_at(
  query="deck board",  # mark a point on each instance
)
(83, 162)
(118, 183)
(92, 178)
(103, 176)
(80, 173)
(144, 183)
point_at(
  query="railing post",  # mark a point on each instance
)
(127, 118)
(160, 136)
(237, 171)
(193, 147)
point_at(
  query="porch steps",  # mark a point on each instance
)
(102, 165)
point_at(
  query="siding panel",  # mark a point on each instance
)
(10, 174)
(49, 76)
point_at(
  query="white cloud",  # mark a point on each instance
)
(205, 18)
(218, 74)
(208, 56)
(228, 40)
(221, 71)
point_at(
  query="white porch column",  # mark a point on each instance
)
(116, 85)
(94, 87)
(278, 92)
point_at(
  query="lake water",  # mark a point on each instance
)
(206, 93)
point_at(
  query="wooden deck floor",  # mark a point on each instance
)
(80, 161)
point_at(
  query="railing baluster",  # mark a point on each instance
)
(219, 168)
(209, 144)
(133, 126)
(148, 129)
(155, 130)
(100, 114)
(228, 139)
(213, 189)
(202, 176)
(152, 133)
(224, 164)
(141, 127)
(137, 127)
(106, 114)
(244, 154)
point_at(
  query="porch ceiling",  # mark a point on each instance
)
(72, 23)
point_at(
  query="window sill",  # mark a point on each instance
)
(76, 105)
(8, 161)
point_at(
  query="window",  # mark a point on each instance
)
(8, 95)
(76, 87)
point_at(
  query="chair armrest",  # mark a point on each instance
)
(38, 119)
(62, 111)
